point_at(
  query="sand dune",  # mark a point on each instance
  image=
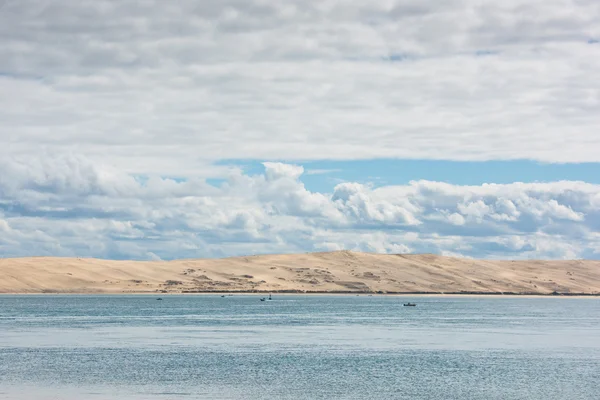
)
(341, 271)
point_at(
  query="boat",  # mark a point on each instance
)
(270, 297)
(410, 305)
(262, 299)
(159, 298)
(223, 296)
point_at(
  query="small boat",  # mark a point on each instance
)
(270, 297)
(410, 305)
(262, 299)
(159, 298)
(223, 296)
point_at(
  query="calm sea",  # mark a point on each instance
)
(298, 347)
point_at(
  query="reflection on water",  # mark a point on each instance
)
(314, 347)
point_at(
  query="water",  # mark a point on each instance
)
(298, 347)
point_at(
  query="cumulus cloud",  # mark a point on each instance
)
(70, 206)
(157, 88)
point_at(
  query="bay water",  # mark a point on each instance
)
(298, 347)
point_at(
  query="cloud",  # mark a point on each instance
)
(70, 206)
(155, 88)
(363, 205)
(275, 171)
(321, 171)
(115, 113)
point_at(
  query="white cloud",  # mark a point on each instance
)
(456, 219)
(4, 227)
(156, 88)
(476, 210)
(321, 171)
(367, 206)
(114, 113)
(70, 206)
(274, 171)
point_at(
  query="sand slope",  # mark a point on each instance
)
(341, 271)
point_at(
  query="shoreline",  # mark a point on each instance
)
(314, 293)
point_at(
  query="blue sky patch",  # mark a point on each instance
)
(322, 176)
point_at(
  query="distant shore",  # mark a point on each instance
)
(311, 293)
(340, 272)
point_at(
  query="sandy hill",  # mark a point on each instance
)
(341, 271)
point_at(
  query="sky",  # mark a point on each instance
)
(145, 129)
